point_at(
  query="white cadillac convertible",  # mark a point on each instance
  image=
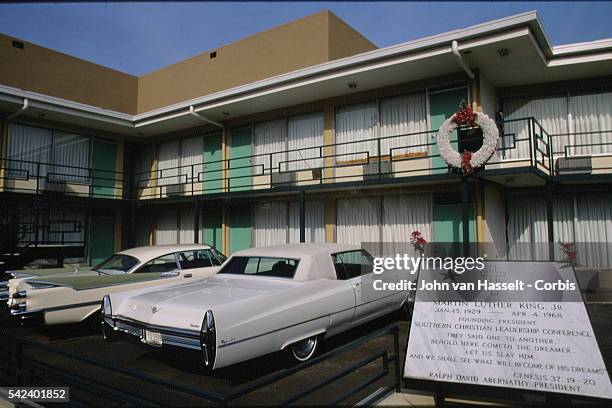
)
(262, 300)
(70, 296)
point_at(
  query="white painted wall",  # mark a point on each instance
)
(488, 96)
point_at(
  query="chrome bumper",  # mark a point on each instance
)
(188, 339)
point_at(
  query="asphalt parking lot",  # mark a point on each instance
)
(185, 369)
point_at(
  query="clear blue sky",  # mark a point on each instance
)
(140, 37)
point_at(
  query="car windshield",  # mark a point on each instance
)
(117, 263)
(262, 266)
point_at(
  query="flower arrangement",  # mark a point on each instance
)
(467, 162)
(465, 115)
(569, 250)
(418, 242)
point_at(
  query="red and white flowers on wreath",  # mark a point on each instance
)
(467, 161)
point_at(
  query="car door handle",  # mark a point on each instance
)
(187, 275)
(357, 284)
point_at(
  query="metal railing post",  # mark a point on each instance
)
(531, 136)
(37, 177)
(379, 158)
(396, 350)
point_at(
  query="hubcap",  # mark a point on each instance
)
(305, 348)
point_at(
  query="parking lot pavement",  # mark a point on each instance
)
(186, 369)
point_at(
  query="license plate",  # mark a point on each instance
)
(153, 338)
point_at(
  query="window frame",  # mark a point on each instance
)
(363, 252)
(259, 257)
(178, 266)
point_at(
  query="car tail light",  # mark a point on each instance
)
(107, 309)
(208, 339)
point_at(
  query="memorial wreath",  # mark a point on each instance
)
(467, 161)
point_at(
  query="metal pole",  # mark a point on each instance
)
(550, 222)
(302, 216)
(465, 215)
(196, 222)
(132, 235)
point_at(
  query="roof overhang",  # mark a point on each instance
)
(528, 58)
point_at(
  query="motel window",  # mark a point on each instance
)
(356, 131)
(288, 144)
(55, 155)
(578, 124)
(584, 219)
(279, 223)
(400, 122)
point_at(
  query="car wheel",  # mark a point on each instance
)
(304, 350)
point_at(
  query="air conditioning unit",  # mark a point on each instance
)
(574, 165)
(283, 179)
(371, 170)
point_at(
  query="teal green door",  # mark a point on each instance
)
(104, 167)
(102, 243)
(442, 105)
(212, 225)
(240, 163)
(213, 165)
(239, 228)
(448, 228)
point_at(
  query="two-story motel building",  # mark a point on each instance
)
(222, 147)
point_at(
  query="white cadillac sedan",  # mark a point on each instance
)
(262, 300)
(63, 296)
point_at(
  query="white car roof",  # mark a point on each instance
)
(315, 260)
(297, 250)
(145, 253)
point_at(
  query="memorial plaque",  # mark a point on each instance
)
(513, 324)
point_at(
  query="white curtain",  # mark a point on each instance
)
(166, 231)
(31, 144)
(551, 113)
(192, 153)
(356, 124)
(403, 214)
(358, 220)
(270, 224)
(269, 137)
(592, 113)
(594, 229)
(315, 221)
(527, 228)
(168, 163)
(563, 222)
(305, 133)
(186, 220)
(404, 115)
(71, 150)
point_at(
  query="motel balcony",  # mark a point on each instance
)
(32, 177)
(527, 155)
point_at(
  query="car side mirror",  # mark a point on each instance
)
(169, 274)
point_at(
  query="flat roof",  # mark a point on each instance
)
(525, 26)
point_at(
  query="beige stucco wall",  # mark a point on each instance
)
(344, 41)
(289, 47)
(38, 69)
